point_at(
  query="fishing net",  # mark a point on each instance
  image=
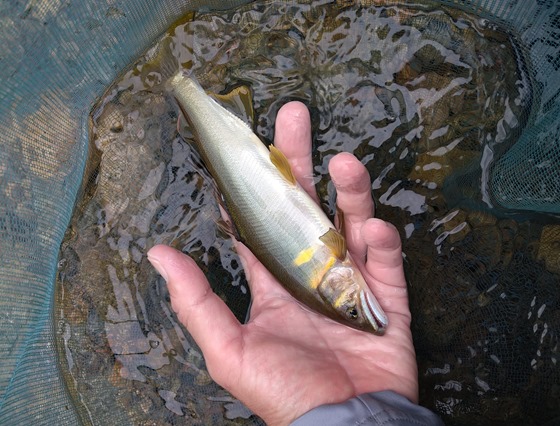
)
(486, 333)
(57, 58)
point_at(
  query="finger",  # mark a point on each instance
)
(293, 137)
(206, 316)
(385, 269)
(353, 197)
(384, 254)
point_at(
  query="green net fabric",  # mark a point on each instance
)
(527, 176)
(58, 57)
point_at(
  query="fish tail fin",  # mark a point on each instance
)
(162, 61)
(159, 65)
(169, 64)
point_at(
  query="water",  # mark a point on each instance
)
(427, 99)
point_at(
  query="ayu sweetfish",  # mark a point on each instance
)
(273, 216)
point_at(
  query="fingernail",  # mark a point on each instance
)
(158, 266)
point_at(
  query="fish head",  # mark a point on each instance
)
(344, 289)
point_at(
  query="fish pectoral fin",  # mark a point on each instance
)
(335, 241)
(339, 221)
(282, 164)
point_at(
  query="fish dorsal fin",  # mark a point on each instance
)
(282, 164)
(336, 242)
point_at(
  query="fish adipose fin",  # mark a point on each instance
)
(282, 164)
(336, 242)
(239, 101)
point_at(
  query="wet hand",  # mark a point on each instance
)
(287, 360)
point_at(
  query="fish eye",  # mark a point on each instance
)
(352, 312)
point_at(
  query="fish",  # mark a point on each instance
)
(274, 216)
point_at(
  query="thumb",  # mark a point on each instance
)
(207, 318)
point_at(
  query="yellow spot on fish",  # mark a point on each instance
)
(330, 263)
(340, 300)
(318, 276)
(304, 256)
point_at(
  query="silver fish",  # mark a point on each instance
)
(279, 222)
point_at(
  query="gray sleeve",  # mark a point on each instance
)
(379, 408)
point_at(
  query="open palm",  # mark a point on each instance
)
(287, 359)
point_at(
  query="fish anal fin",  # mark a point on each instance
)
(282, 164)
(225, 224)
(336, 242)
(184, 128)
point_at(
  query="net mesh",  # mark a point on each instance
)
(58, 58)
(534, 183)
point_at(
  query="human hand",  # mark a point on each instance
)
(287, 359)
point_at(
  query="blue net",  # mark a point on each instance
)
(526, 176)
(57, 59)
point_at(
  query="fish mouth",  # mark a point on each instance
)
(373, 312)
